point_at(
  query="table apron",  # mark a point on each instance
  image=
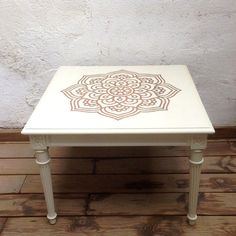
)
(39, 141)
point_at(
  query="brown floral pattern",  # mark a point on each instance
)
(120, 94)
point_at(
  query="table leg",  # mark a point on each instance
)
(43, 159)
(196, 161)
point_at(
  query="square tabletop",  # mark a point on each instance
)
(120, 99)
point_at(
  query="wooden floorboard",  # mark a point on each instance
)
(160, 204)
(212, 164)
(117, 204)
(121, 226)
(34, 204)
(3, 221)
(141, 191)
(58, 166)
(11, 183)
(141, 165)
(130, 183)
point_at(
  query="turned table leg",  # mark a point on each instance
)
(42, 159)
(196, 161)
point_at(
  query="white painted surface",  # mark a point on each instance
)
(39, 36)
(43, 159)
(185, 113)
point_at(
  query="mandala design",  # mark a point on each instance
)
(120, 94)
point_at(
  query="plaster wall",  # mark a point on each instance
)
(36, 37)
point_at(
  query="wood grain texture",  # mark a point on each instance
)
(212, 164)
(132, 191)
(117, 204)
(23, 150)
(13, 150)
(122, 226)
(130, 183)
(58, 166)
(34, 204)
(145, 165)
(11, 183)
(160, 204)
(3, 221)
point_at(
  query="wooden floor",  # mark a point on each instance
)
(118, 191)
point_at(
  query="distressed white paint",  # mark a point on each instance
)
(36, 37)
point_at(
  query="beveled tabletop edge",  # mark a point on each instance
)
(177, 131)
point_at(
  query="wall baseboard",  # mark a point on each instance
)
(226, 132)
(14, 135)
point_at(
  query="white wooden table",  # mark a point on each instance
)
(120, 106)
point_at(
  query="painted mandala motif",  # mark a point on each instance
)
(120, 94)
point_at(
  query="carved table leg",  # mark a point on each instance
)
(195, 160)
(42, 159)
